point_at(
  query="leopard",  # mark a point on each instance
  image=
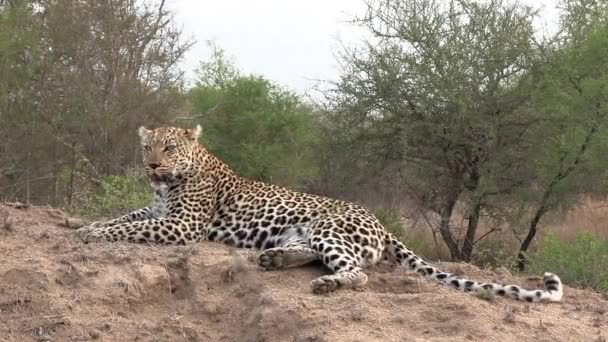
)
(198, 197)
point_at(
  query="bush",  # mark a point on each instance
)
(261, 129)
(391, 220)
(582, 263)
(494, 253)
(119, 195)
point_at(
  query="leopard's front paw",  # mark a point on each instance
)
(90, 233)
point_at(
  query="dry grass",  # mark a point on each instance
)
(6, 223)
(590, 215)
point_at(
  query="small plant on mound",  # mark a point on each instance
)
(581, 263)
(486, 295)
(6, 224)
(118, 195)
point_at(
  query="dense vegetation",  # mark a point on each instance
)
(458, 108)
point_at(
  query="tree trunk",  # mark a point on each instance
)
(28, 189)
(469, 240)
(473, 217)
(522, 261)
(444, 227)
(28, 167)
(70, 191)
(56, 169)
(544, 207)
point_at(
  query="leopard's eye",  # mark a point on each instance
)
(147, 148)
(169, 148)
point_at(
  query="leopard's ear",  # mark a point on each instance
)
(143, 132)
(194, 133)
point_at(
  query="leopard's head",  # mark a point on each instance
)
(168, 151)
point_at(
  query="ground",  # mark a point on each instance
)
(55, 288)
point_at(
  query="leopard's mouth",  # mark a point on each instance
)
(159, 177)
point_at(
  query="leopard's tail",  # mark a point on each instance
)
(552, 292)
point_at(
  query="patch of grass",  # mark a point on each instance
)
(118, 195)
(581, 263)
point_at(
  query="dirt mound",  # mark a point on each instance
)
(54, 288)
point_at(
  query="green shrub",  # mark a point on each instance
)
(261, 129)
(494, 253)
(422, 246)
(582, 263)
(119, 195)
(391, 220)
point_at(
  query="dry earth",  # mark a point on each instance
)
(55, 288)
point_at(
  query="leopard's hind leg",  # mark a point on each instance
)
(342, 253)
(345, 278)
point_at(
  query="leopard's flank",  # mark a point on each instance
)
(198, 197)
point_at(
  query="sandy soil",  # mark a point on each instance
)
(55, 288)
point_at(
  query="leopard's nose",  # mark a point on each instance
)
(153, 166)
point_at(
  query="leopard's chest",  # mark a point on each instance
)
(187, 201)
(160, 206)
